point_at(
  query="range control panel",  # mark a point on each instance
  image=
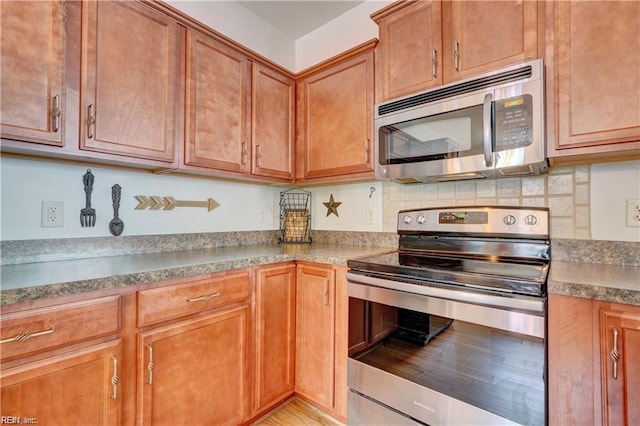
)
(491, 220)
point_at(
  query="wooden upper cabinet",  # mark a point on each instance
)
(620, 333)
(410, 50)
(594, 65)
(33, 41)
(131, 96)
(218, 105)
(335, 117)
(481, 36)
(424, 44)
(273, 123)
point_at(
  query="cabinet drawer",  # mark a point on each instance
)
(36, 330)
(163, 303)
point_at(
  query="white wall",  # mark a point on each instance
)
(26, 183)
(361, 209)
(346, 31)
(240, 24)
(612, 184)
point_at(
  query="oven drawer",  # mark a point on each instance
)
(416, 401)
(363, 411)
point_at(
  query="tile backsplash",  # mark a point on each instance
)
(565, 190)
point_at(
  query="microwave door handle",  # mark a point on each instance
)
(487, 130)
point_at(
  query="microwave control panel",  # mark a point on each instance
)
(513, 122)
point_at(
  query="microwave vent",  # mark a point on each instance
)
(408, 180)
(456, 89)
(517, 171)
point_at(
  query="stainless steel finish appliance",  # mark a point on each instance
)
(487, 126)
(450, 329)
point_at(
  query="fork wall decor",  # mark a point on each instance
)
(88, 214)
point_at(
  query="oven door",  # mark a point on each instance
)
(441, 361)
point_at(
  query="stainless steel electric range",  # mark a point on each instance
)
(450, 329)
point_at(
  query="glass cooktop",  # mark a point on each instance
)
(490, 272)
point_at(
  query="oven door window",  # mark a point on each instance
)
(448, 135)
(496, 371)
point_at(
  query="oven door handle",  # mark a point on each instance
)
(487, 129)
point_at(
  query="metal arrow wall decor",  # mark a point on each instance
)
(169, 203)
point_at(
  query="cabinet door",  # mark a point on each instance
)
(315, 334)
(336, 120)
(131, 98)
(574, 391)
(218, 105)
(79, 388)
(597, 63)
(273, 111)
(195, 370)
(275, 334)
(620, 334)
(481, 36)
(410, 49)
(33, 53)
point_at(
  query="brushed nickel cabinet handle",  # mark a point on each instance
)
(26, 336)
(615, 355)
(150, 365)
(434, 63)
(258, 156)
(456, 56)
(244, 153)
(91, 121)
(115, 379)
(204, 298)
(55, 113)
(326, 292)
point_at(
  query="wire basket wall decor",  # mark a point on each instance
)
(295, 216)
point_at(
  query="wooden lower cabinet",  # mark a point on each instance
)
(196, 370)
(620, 374)
(76, 388)
(583, 386)
(274, 334)
(315, 333)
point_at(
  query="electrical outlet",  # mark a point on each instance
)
(633, 213)
(371, 216)
(52, 214)
(262, 215)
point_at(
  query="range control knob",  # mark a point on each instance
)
(407, 219)
(422, 219)
(530, 220)
(509, 220)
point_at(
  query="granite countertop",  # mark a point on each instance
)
(31, 281)
(606, 282)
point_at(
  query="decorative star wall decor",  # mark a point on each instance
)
(332, 206)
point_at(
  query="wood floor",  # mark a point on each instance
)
(296, 412)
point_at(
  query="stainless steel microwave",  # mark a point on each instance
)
(483, 127)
